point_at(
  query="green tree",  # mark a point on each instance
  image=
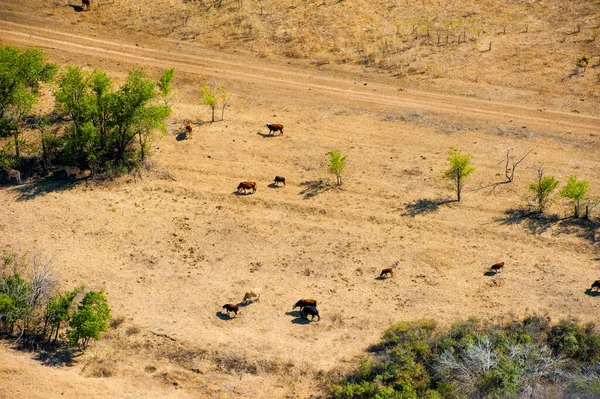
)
(542, 190)
(58, 310)
(576, 191)
(20, 75)
(164, 85)
(460, 169)
(15, 307)
(337, 164)
(212, 96)
(90, 319)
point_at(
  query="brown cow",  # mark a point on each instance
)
(188, 130)
(305, 302)
(386, 272)
(274, 127)
(247, 185)
(279, 179)
(497, 267)
(69, 170)
(14, 174)
(86, 3)
(230, 307)
(596, 285)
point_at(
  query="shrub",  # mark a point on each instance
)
(337, 164)
(542, 189)
(90, 319)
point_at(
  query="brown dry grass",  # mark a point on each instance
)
(169, 253)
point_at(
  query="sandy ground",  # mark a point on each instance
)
(169, 252)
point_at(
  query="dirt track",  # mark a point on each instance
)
(274, 78)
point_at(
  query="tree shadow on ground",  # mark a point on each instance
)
(535, 222)
(591, 293)
(538, 223)
(55, 357)
(38, 188)
(313, 188)
(424, 206)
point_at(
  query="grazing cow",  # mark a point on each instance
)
(14, 174)
(596, 285)
(70, 171)
(86, 3)
(497, 267)
(273, 127)
(253, 295)
(386, 272)
(230, 307)
(279, 179)
(188, 130)
(312, 311)
(247, 185)
(302, 303)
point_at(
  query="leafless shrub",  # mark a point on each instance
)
(132, 330)
(116, 322)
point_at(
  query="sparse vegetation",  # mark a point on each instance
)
(460, 169)
(542, 190)
(517, 359)
(337, 164)
(33, 311)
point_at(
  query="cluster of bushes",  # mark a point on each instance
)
(529, 359)
(35, 313)
(104, 128)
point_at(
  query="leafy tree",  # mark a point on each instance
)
(58, 311)
(14, 301)
(164, 85)
(337, 164)
(90, 319)
(460, 169)
(542, 189)
(212, 96)
(106, 122)
(576, 191)
(20, 77)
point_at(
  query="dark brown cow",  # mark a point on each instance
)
(230, 307)
(386, 273)
(305, 302)
(188, 130)
(86, 3)
(497, 267)
(247, 185)
(596, 285)
(274, 127)
(312, 311)
(279, 179)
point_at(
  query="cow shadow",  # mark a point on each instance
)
(300, 320)
(181, 136)
(424, 206)
(223, 316)
(275, 185)
(295, 313)
(242, 193)
(490, 273)
(265, 135)
(591, 293)
(76, 8)
(313, 188)
(243, 304)
(381, 278)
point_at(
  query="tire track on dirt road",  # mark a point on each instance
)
(343, 89)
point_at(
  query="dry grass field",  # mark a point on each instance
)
(169, 250)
